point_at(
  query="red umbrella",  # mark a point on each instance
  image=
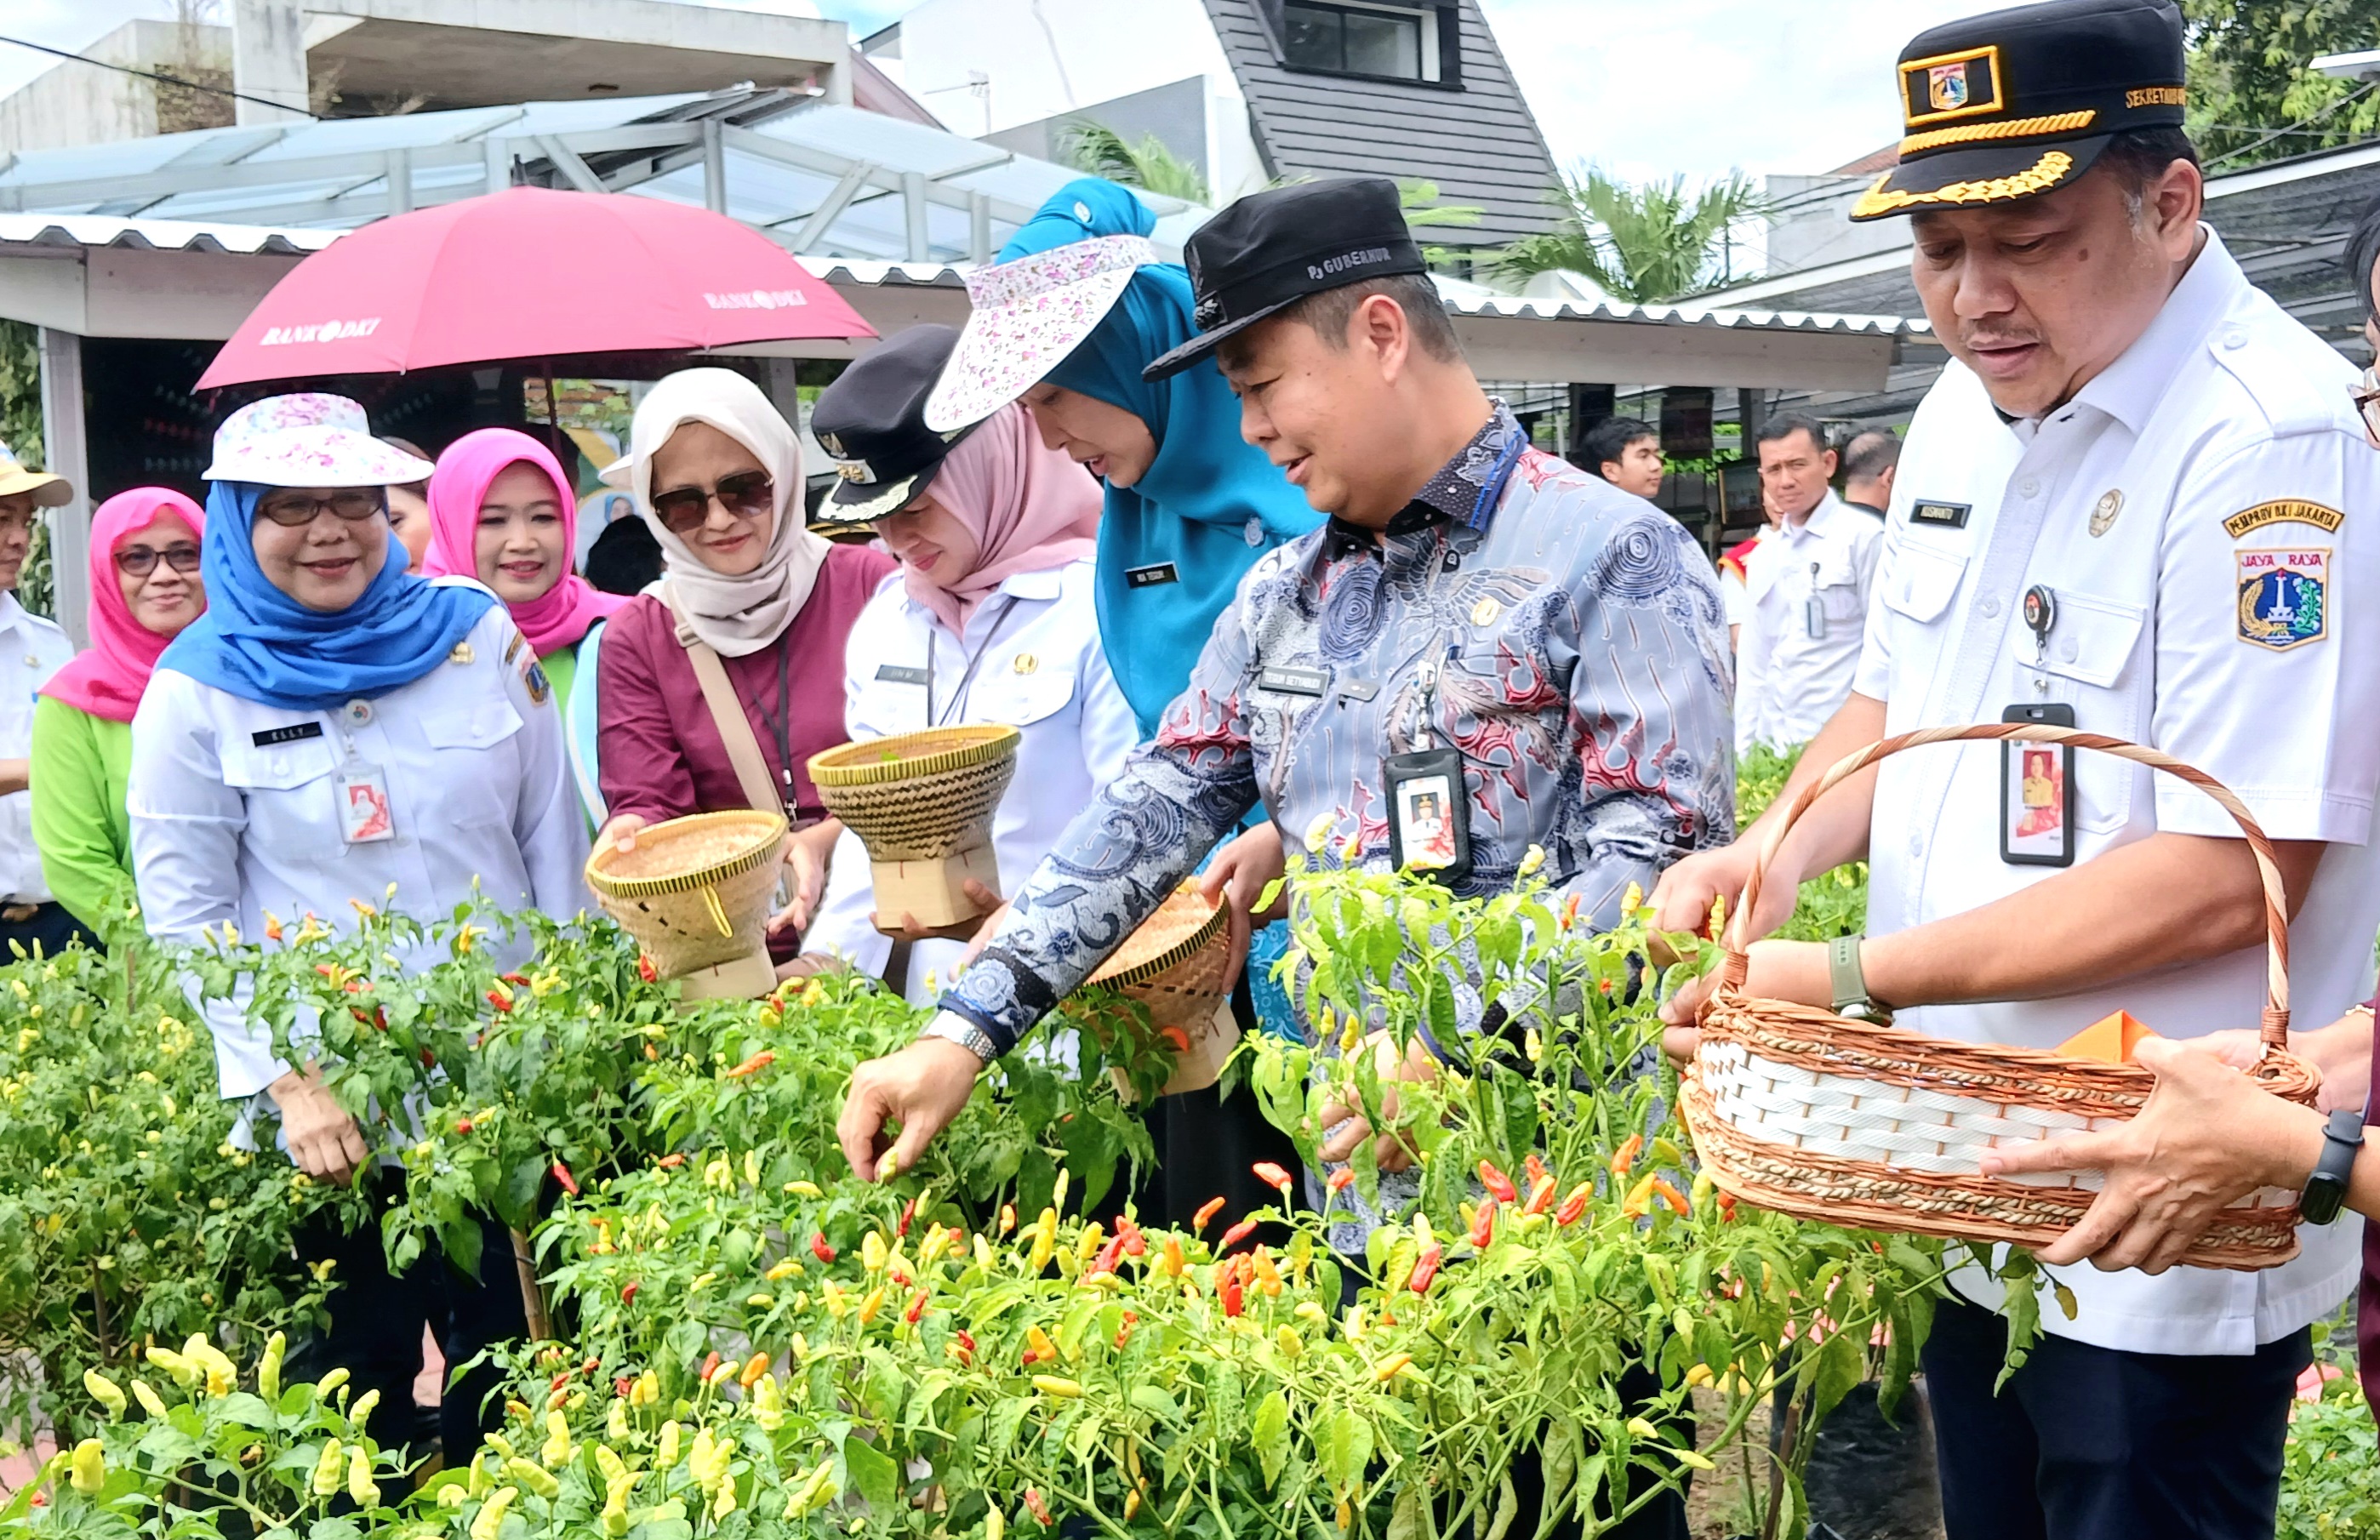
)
(529, 274)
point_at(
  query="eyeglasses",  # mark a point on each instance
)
(294, 511)
(2367, 404)
(745, 494)
(139, 561)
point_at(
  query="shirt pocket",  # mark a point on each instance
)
(470, 789)
(1921, 582)
(1835, 586)
(1022, 699)
(292, 808)
(2090, 662)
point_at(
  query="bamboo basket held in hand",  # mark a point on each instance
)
(695, 894)
(922, 802)
(1800, 1111)
(1177, 964)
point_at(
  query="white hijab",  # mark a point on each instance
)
(736, 615)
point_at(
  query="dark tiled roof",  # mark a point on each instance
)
(1479, 145)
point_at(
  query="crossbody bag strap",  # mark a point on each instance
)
(726, 713)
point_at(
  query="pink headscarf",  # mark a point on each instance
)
(471, 463)
(107, 681)
(1030, 508)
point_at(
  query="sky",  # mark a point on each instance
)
(1697, 87)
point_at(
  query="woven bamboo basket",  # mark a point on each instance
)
(1797, 1110)
(1177, 964)
(695, 891)
(922, 804)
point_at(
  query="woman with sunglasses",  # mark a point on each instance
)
(717, 473)
(502, 511)
(144, 588)
(333, 729)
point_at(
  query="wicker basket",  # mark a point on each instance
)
(694, 893)
(1797, 1110)
(922, 804)
(1177, 964)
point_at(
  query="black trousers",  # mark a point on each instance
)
(49, 932)
(2087, 1443)
(1206, 1146)
(376, 1324)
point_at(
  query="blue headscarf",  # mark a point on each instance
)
(258, 643)
(1210, 504)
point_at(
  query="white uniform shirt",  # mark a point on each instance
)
(1788, 680)
(1040, 668)
(2160, 507)
(30, 650)
(226, 827)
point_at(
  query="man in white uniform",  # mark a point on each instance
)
(1805, 592)
(2139, 499)
(32, 649)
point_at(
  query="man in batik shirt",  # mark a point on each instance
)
(1470, 593)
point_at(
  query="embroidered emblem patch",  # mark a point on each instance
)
(2103, 518)
(538, 686)
(2284, 510)
(1951, 85)
(1946, 86)
(2284, 596)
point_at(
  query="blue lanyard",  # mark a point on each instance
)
(1484, 505)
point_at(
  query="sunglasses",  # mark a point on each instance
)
(2367, 404)
(139, 561)
(296, 512)
(746, 494)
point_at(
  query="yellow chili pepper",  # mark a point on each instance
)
(91, 1467)
(327, 1468)
(104, 1390)
(489, 1519)
(360, 1486)
(1391, 1367)
(1061, 1390)
(872, 1304)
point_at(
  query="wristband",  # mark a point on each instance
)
(1852, 1002)
(2325, 1190)
(952, 1027)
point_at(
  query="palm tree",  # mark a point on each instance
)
(1647, 244)
(1150, 166)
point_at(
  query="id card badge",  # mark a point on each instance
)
(1814, 619)
(364, 817)
(1429, 813)
(2038, 791)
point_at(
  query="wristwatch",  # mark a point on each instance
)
(952, 1027)
(2325, 1191)
(1852, 1002)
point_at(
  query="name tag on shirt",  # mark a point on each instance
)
(1941, 515)
(895, 673)
(273, 737)
(1289, 681)
(1151, 575)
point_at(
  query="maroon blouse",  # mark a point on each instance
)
(2367, 1302)
(660, 754)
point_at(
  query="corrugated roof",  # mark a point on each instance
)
(157, 235)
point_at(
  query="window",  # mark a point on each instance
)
(1385, 42)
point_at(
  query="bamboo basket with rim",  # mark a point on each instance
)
(695, 891)
(1177, 964)
(922, 802)
(1797, 1110)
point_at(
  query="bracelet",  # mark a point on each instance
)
(952, 1027)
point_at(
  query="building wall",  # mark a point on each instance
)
(1812, 225)
(81, 103)
(1045, 59)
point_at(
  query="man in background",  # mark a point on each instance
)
(32, 649)
(1805, 591)
(1626, 453)
(1869, 461)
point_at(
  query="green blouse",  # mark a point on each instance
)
(560, 667)
(80, 764)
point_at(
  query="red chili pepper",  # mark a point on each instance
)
(1123, 1332)
(564, 1377)
(1625, 1156)
(908, 1212)
(966, 1346)
(628, 1293)
(1342, 1178)
(1108, 1256)
(1498, 1185)
(671, 1161)
(463, 1125)
(1425, 1267)
(1570, 912)
(1271, 1175)
(1573, 1207)
(646, 971)
(709, 1367)
(1675, 1199)
(1206, 1212)
(1136, 1240)
(520, 979)
(356, 985)
(327, 970)
(503, 1006)
(819, 1249)
(1727, 1207)
(1227, 1286)
(429, 1060)
(569, 1182)
(622, 1386)
(1535, 1167)
(1541, 1196)
(1237, 1233)
(916, 1308)
(753, 1065)
(1039, 1509)
(1483, 1226)
(1175, 1035)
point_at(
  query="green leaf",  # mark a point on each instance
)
(1406, 1521)
(1269, 1432)
(1507, 1508)
(871, 1471)
(1347, 1449)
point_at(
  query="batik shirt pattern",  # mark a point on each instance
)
(1565, 636)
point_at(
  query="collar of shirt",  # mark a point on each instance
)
(2130, 389)
(1817, 525)
(1463, 491)
(13, 616)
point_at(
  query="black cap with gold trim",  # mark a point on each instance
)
(2015, 103)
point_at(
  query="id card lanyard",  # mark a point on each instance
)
(364, 814)
(2037, 813)
(1813, 613)
(974, 660)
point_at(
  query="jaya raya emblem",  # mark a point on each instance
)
(1946, 86)
(2284, 596)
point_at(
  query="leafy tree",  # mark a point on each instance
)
(2252, 97)
(20, 430)
(1149, 165)
(1647, 242)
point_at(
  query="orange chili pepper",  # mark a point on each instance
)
(1498, 1185)
(753, 1065)
(1671, 1195)
(1541, 1196)
(1206, 1212)
(1624, 1158)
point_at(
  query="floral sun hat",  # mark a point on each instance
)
(309, 439)
(1029, 314)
